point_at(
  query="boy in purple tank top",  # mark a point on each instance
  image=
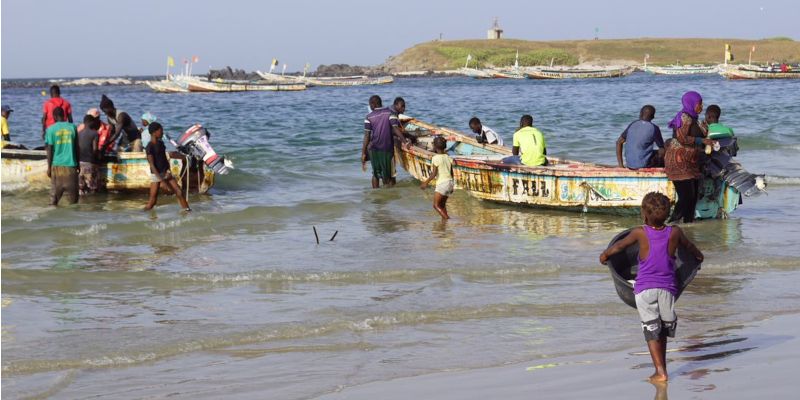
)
(655, 287)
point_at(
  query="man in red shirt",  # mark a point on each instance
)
(55, 101)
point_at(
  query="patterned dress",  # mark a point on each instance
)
(681, 161)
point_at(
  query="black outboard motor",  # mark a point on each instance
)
(720, 164)
(194, 143)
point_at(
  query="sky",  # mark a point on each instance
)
(82, 38)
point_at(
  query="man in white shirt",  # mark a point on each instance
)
(484, 134)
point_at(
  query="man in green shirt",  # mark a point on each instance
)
(61, 143)
(530, 142)
(715, 129)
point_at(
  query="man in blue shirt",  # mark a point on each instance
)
(638, 139)
(381, 129)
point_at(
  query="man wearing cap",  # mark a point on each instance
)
(147, 119)
(4, 124)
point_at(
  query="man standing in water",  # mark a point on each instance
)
(55, 101)
(381, 128)
(61, 144)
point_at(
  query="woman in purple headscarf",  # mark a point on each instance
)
(681, 161)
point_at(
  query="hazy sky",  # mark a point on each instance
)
(55, 38)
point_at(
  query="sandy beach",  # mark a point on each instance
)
(735, 362)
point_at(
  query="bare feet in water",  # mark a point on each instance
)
(658, 378)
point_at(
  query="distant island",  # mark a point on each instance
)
(448, 55)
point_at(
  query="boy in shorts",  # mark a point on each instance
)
(442, 171)
(159, 168)
(655, 287)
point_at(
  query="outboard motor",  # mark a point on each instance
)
(720, 164)
(194, 143)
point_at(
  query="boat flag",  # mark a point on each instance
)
(195, 59)
(273, 65)
(306, 68)
(170, 61)
(469, 57)
(284, 69)
(754, 49)
(728, 53)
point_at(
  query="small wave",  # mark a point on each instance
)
(93, 229)
(137, 354)
(361, 277)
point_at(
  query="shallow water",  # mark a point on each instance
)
(236, 299)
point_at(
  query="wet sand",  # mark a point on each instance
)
(755, 360)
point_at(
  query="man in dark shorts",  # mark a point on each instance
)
(159, 168)
(638, 140)
(88, 138)
(61, 144)
(381, 129)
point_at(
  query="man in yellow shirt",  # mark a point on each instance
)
(530, 142)
(6, 112)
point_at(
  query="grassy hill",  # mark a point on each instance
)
(444, 55)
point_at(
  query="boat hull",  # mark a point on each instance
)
(745, 73)
(26, 170)
(166, 86)
(541, 73)
(563, 185)
(682, 70)
(198, 85)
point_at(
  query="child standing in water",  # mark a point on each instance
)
(655, 286)
(442, 171)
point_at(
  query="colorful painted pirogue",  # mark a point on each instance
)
(569, 185)
(357, 80)
(577, 73)
(753, 72)
(203, 85)
(682, 69)
(27, 170)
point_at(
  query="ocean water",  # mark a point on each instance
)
(236, 299)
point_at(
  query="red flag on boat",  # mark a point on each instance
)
(195, 59)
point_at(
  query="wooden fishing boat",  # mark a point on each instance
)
(753, 72)
(479, 170)
(282, 79)
(506, 73)
(577, 73)
(683, 69)
(624, 267)
(348, 80)
(475, 73)
(202, 85)
(128, 172)
(167, 86)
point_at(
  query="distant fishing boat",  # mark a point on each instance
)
(682, 69)
(506, 73)
(167, 86)
(562, 184)
(355, 80)
(577, 73)
(474, 73)
(278, 78)
(203, 85)
(754, 72)
(360, 80)
(130, 172)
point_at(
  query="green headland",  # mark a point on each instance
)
(448, 55)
